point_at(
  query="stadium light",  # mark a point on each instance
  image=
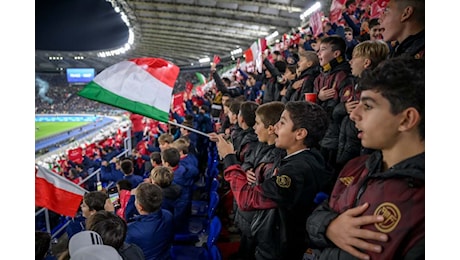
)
(310, 10)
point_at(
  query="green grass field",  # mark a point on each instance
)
(46, 129)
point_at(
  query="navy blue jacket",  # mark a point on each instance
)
(153, 233)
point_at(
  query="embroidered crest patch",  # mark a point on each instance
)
(346, 180)
(391, 215)
(283, 181)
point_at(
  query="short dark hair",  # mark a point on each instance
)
(373, 22)
(419, 9)
(125, 184)
(42, 244)
(171, 155)
(336, 42)
(280, 65)
(156, 157)
(235, 107)
(349, 2)
(95, 200)
(310, 116)
(109, 226)
(226, 81)
(248, 112)
(401, 81)
(127, 166)
(149, 196)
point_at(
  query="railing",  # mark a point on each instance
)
(97, 173)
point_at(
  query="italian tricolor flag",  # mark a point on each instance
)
(143, 86)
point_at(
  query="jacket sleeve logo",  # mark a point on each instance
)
(283, 181)
(391, 215)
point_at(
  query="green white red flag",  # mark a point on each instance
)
(143, 86)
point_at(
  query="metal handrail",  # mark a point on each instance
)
(127, 142)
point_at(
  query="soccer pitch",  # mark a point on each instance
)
(45, 129)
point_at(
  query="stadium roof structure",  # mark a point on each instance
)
(74, 33)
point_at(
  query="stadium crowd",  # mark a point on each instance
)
(321, 154)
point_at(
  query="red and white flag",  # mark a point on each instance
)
(57, 193)
(316, 24)
(253, 55)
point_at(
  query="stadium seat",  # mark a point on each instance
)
(199, 223)
(205, 251)
(200, 207)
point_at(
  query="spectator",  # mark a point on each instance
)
(375, 32)
(152, 230)
(350, 41)
(224, 85)
(289, 77)
(42, 244)
(89, 245)
(366, 55)
(137, 125)
(189, 161)
(308, 69)
(334, 86)
(245, 140)
(253, 236)
(124, 188)
(93, 201)
(112, 230)
(182, 177)
(165, 140)
(127, 167)
(385, 219)
(111, 172)
(273, 75)
(404, 21)
(298, 177)
(163, 177)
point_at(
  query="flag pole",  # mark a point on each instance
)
(189, 128)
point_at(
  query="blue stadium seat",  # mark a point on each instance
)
(198, 224)
(206, 251)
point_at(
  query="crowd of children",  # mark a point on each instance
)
(337, 177)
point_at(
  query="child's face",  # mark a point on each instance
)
(390, 21)
(286, 138)
(326, 54)
(260, 130)
(226, 109)
(378, 126)
(303, 64)
(232, 117)
(348, 36)
(86, 212)
(375, 33)
(357, 64)
(289, 75)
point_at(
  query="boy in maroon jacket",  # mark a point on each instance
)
(377, 206)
